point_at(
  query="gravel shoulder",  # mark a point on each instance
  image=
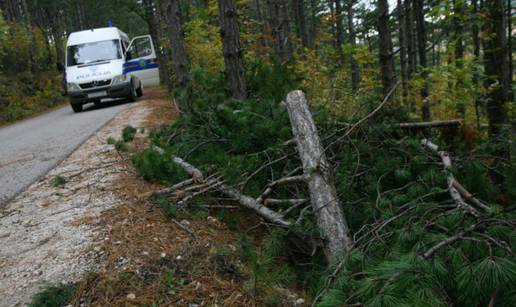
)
(50, 234)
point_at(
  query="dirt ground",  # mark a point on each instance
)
(50, 233)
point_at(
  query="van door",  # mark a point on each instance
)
(141, 60)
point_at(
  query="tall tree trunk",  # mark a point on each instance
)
(495, 66)
(421, 46)
(355, 69)
(299, 12)
(339, 28)
(151, 17)
(458, 14)
(32, 49)
(509, 47)
(385, 45)
(411, 38)
(263, 28)
(313, 23)
(233, 59)
(279, 24)
(80, 14)
(179, 56)
(476, 53)
(403, 51)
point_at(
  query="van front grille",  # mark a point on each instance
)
(95, 84)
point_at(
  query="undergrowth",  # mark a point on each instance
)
(54, 296)
(393, 193)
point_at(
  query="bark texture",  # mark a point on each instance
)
(323, 196)
(355, 68)
(403, 50)
(279, 23)
(495, 66)
(233, 58)
(172, 12)
(152, 19)
(339, 30)
(421, 46)
(385, 42)
(299, 13)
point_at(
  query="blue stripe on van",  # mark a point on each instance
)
(137, 65)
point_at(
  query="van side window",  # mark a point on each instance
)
(141, 47)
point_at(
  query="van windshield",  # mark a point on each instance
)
(94, 52)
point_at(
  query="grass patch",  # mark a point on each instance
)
(58, 181)
(54, 296)
(128, 133)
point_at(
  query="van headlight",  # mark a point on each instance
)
(73, 87)
(119, 79)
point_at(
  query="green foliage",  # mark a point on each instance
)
(394, 197)
(111, 140)
(58, 181)
(128, 133)
(54, 296)
(153, 166)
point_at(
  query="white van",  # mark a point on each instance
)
(104, 63)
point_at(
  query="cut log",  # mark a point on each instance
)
(432, 124)
(330, 219)
(450, 179)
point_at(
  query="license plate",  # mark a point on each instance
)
(97, 94)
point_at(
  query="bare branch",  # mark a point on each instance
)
(454, 193)
(432, 124)
(448, 241)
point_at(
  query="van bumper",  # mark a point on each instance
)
(95, 94)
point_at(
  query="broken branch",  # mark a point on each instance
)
(454, 193)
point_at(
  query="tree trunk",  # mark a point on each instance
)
(323, 195)
(299, 12)
(476, 53)
(313, 23)
(411, 38)
(403, 51)
(458, 14)
(279, 24)
(263, 28)
(385, 45)
(172, 13)
(32, 49)
(151, 18)
(421, 46)
(509, 49)
(80, 15)
(495, 66)
(233, 59)
(355, 69)
(339, 31)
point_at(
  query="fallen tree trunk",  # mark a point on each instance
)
(432, 124)
(323, 195)
(454, 193)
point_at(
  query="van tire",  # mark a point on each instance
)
(132, 95)
(139, 91)
(76, 107)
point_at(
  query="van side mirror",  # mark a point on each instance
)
(128, 55)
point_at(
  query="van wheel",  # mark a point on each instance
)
(77, 108)
(132, 96)
(139, 91)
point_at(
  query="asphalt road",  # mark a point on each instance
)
(30, 148)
